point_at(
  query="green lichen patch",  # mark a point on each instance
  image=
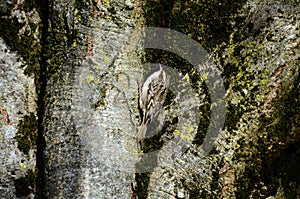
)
(22, 35)
(27, 133)
(208, 22)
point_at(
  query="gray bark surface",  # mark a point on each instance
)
(69, 78)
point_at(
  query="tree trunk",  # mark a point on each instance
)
(69, 79)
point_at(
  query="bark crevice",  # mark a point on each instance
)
(41, 82)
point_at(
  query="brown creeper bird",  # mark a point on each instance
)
(152, 97)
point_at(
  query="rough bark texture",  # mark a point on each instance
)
(18, 126)
(19, 47)
(88, 106)
(69, 76)
(255, 155)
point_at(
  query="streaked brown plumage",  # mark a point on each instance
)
(152, 96)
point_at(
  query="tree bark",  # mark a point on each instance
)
(69, 78)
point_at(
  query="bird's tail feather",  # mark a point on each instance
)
(141, 135)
